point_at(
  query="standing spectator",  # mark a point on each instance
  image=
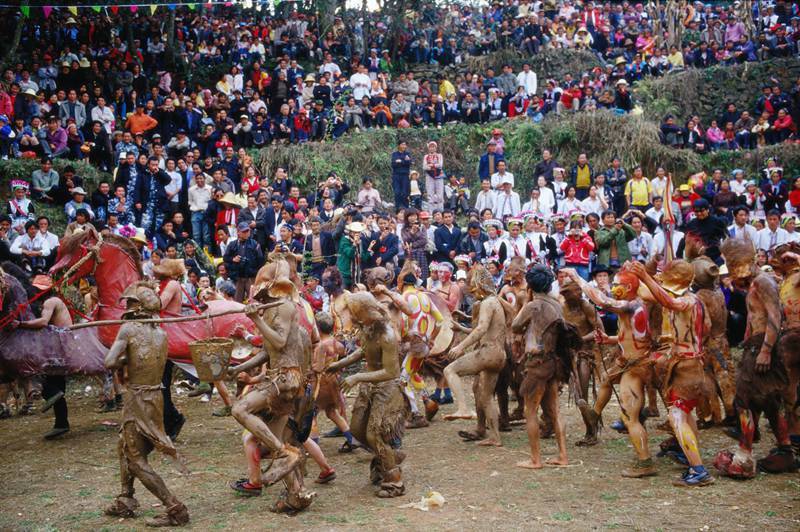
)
(580, 176)
(638, 192)
(401, 167)
(775, 192)
(577, 248)
(487, 165)
(243, 258)
(433, 165)
(368, 196)
(612, 240)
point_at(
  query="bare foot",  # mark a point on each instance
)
(461, 415)
(489, 442)
(529, 464)
(556, 462)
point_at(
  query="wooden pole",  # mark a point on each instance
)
(103, 323)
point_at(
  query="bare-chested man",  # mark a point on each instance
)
(547, 343)
(274, 398)
(380, 408)
(56, 313)
(485, 360)
(513, 296)
(141, 350)
(169, 274)
(332, 284)
(761, 374)
(583, 316)
(718, 357)
(786, 261)
(684, 382)
(417, 321)
(634, 368)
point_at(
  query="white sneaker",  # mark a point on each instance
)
(205, 398)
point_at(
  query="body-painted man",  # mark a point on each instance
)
(633, 366)
(380, 408)
(786, 261)
(582, 315)
(274, 398)
(141, 350)
(333, 286)
(761, 374)
(416, 321)
(718, 356)
(513, 296)
(548, 345)
(485, 360)
(684, 382)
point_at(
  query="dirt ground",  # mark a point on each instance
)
(64, 484)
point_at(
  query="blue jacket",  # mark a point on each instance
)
(402, 168)
(252, 259)
(483, 165)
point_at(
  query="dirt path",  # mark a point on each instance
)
(65, 484)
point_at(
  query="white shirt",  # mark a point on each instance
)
(497, 179)
(361, 85)
(547, 200)
(24, 242)
(595, 206)
(738, 187)
(767, 240)
(51, 239)
(199, 197)
(506, 205)
(485, 200)
(567, 206)
(174, 186)
(105, 116)
(529, 81)
(658, 185)
(641, 247)
(741, 232)
(331, 68)
(660, 242)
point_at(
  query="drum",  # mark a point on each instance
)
(211, 357)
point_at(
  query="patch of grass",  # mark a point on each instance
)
(85, 492)
(401, 519)
(81, 516)
(770, 513)
(562, 516)
(609, 497)
(334, 519)
(532, 485)
(612, 525)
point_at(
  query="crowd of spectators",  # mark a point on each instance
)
(184, 185)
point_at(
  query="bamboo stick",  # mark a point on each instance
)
(103, 323)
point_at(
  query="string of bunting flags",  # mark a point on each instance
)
(134, 7)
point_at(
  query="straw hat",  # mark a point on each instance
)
(231, 199)
(140, 237)
(677, 276)
(170, 269)
(355, 227)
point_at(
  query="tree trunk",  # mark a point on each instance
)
(15, 39)
(169, 52)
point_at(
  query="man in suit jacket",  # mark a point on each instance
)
(472, 242)
(74, 109)
(321, 246)
(384, 245)
(446, 237)
(272, 219)
(256, 217)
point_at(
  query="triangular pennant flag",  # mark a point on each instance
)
(191, 7)
(247, 4)
(153, 8)
(115, 9)
(26, 11)
(96, 9)
(171, 7)
(47, 10)
(209, 5)
(73, 10)
(134, 9)
(228, 4)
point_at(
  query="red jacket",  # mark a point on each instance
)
(577, 251)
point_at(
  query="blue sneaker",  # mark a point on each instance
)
(619, 426)
(694, 476)
(678, 457)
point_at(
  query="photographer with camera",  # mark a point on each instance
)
(243, 258)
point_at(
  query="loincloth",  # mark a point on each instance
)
(540, 370)
(685, 378)
(789, 347)
(328, 395)
(385, 407)
(281, 388)
(143, 415)
(756, 390)
(640, 368)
